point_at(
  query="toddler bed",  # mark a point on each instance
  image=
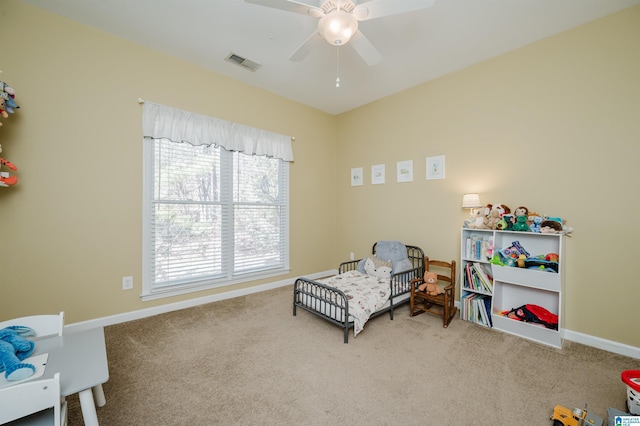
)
(363, 288)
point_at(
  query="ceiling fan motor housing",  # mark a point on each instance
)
(337, 27)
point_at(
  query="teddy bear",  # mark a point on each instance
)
(485, 213)
(14, 348)
(430, 285)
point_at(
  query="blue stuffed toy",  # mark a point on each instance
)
(13, 349)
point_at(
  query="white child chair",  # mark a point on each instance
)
(35, 402)
(43, 325)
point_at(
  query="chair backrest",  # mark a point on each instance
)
(43, 325)
(446, 270)
(31, 397)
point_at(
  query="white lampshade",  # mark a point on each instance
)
(337, 27)
(471, 201)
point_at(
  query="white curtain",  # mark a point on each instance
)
(163, 122)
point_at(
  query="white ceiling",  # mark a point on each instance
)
(416, 47)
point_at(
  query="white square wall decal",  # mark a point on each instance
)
(405, 171)
(435, 167)
(356, 176)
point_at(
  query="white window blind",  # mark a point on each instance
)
(212, 217)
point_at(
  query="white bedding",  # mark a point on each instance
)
(366, 294)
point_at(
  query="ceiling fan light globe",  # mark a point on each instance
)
(337, 27)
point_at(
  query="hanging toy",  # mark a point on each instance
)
(5, 179)
(9, 95)
(7, 100)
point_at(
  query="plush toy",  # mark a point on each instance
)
(550, 227)
(8, 95)
(13, 349)
(534, 222)
(377, 267)
(485, 213)
(494, 212)
(476, 219)
(520, 219)
(430, 285)
(5, 179)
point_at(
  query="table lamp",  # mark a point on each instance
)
(472, 202)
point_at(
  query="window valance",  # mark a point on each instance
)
(163, 122)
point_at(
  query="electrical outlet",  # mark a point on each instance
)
(127, 283)
(352, 256)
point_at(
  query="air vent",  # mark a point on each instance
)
(243, 62)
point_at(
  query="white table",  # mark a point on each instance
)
(81, 359)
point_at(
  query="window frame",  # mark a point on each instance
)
(149, 290)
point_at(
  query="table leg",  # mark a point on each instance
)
(88, 408)
(98, 395)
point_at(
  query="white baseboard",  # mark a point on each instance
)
(170, 307)
(596, 342)
(574, 336)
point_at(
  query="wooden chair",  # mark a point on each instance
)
(35, 402)
(441, 304)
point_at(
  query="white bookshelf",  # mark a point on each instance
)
(516, 286)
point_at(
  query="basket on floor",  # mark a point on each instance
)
(631, 378)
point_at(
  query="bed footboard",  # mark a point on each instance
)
(324, 301)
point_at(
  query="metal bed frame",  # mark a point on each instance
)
(331, 303)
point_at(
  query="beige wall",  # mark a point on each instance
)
(552, 126)
(71, 228)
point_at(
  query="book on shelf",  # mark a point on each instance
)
(478, 278)
(476, 308)
(478, 247)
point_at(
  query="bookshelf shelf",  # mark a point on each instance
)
(510, 286)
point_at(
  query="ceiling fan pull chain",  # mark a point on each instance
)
(337, 67)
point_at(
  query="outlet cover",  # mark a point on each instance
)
(127, 283)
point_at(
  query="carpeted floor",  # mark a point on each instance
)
(248, 361)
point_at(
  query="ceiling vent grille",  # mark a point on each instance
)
(242, 62)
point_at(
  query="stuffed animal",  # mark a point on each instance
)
(5, 179)
(485, 213)
(550, 227)
(520, 219)
(430, 285)
(494, 212)
(534, 222)
(377, 267)
(13, 349)
(8, 95)
(476, 219)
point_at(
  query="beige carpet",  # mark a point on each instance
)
(248, 361)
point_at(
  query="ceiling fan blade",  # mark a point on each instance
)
(365, 49)
(305, 48)
(380, 8)
(290, 6)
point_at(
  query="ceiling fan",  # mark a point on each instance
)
(338, 23)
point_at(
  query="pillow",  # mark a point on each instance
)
(377, 267)
(396, 253)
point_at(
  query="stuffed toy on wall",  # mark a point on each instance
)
(13, 349)
(5, 179)
(430, 285)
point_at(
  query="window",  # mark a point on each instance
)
(212, 217)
